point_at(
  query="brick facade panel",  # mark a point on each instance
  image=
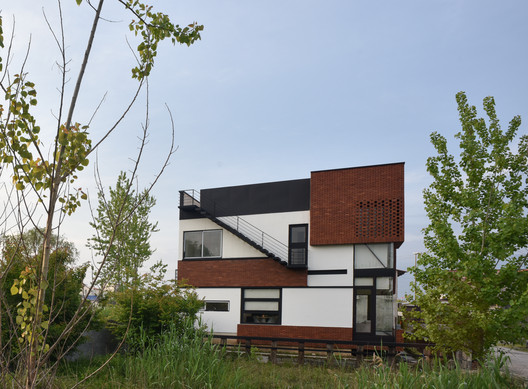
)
(240, 273)
(296, 332)
(357, 205)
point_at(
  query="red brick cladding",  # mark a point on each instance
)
(303, 332)
(357, 205)
(295, 332)
(250, 272)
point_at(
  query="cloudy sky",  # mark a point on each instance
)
(277, 89)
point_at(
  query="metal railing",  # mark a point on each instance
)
(191, 197)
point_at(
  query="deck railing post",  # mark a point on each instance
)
(391, 353)
(329, 353)
(248, 346)
(359, 356)
(273, 352)
(300, 357)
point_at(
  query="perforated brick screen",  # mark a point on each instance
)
(357, 205)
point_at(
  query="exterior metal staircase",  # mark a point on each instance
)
(190, 201)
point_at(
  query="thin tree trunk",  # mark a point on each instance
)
(33, 365)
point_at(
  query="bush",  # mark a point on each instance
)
(150, 308)
(20, 254)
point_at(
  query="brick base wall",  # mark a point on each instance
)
(304, 332)
(240, 273)
(296, 332)
(399, 336)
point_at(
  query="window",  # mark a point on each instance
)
(202, 244)
(374, 256)
(298, 245)
(261, 306)
(217, 306)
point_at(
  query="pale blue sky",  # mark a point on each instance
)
(276, 89)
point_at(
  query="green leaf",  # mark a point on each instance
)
(14, 290)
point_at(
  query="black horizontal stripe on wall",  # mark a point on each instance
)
(324, 272)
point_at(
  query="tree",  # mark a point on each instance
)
(123, 217)
(470, 284)
(43, 179)
(157, 306)
(66, 281)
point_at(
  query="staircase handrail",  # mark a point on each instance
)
(267, 242)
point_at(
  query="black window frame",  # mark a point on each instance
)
(374, 273)
(297, 245)
(244, 299)
(202, 244)
(211, 303)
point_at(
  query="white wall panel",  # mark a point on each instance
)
(331, 258)
(317, 307)
(276, 225)
(232, 246)
(221, 322)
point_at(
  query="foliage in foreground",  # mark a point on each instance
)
(42, 182)
(189, 359)
(470, 284)
(152, 307)
(20, 255)
(183, 357)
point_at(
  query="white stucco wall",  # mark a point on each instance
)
(331, 258)
(221, 322)
(232, 246)
(277, 224)
(317, 307)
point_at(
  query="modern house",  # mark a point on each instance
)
(308, 258)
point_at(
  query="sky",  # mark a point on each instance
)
(277, 89)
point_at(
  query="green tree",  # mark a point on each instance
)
(470, 286)
(43, 179)
(157, 305)
(66, 283)
(122, 233)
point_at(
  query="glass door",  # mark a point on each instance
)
(364, 311)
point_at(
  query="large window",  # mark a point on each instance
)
(298, 245)
(261, 306)
(374, 273)
(202, 244)
(374, 256)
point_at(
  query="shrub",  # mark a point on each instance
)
(150, 308)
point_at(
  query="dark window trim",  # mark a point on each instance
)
(374, 273)
(217, 302)
(330, 271)
(244, 299)
(301, 245)
(202, 231)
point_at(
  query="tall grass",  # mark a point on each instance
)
(438, 374)
(188, 359)
(181, 358)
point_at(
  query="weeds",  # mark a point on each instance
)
(189, 359)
